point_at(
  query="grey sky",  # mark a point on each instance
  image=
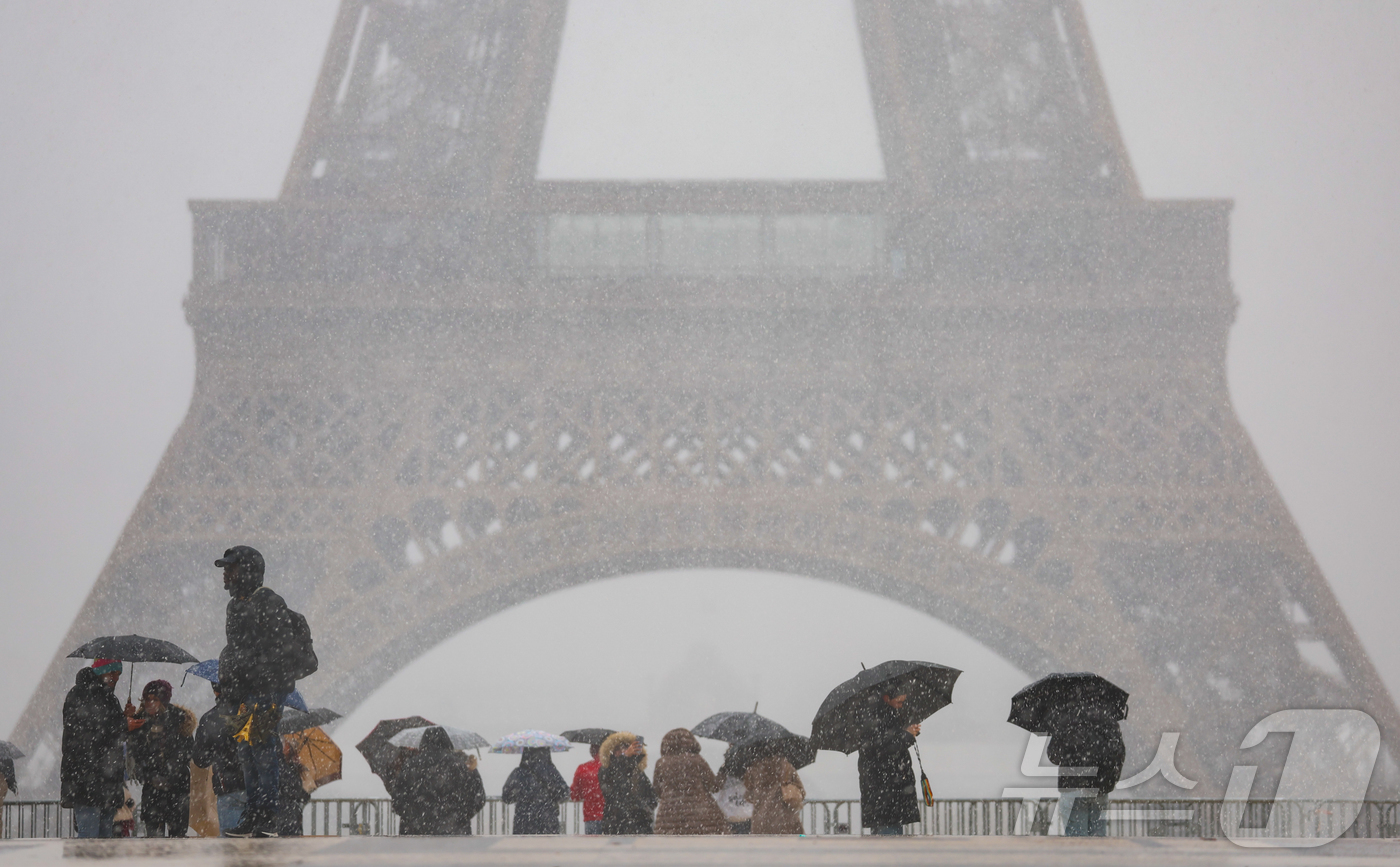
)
(116, 114)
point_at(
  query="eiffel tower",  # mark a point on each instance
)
(991, 387)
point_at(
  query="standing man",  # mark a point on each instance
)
(90, 775)
(888, 800)
(1087, 743)
(161, 748)
(268, 648)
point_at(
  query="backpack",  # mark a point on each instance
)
(298, 655)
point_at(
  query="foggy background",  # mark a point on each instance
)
(112, 116)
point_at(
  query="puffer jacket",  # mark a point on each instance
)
(685, 786)
(94, 727)
(627, 794)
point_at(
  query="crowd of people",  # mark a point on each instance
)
(436, 789)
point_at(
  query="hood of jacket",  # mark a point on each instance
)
(679, 742)
(620, 739)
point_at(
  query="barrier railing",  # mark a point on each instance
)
(339, 817)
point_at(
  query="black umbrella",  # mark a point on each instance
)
(10, 751)
(294, 720)
(754, 737)
(735, 726)
(132, 648)
(378, 752)
(1031, 706)
(592, 737)
(840, 723)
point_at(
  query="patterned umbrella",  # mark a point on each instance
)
(461, 738)
(517, 743)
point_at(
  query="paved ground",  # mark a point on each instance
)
(729, 852)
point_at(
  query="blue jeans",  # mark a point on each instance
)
(231, 808)
(261, 764)
(1081, 810)
(593, 827)
(888, 831)
(93, 821)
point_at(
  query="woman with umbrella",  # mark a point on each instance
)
(685, 788)
(628, 797)
(775, 790)
(438, 790)
(536, 787)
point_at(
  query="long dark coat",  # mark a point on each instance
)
(684, 787)
(435, 792)
(94, 727)
(627, 795)
(1086, 737)
(536, 788)
(887, 791)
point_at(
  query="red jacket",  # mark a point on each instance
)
(587, 790)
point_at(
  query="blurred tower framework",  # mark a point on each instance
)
(991, 386)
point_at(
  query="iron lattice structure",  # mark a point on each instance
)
(991, 386)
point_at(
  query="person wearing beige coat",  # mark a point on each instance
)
(685, 788)
(776, 793)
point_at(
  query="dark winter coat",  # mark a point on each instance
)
(93, 730)
(1086, 737)
(887, 791)
(536, 788)
(436, 792)
(257, 628)
(763, 785)
(627, 794)
(685, 786)
(161, 749)
(215, 748)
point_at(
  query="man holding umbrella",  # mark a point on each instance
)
(878, 712)
(268, 648)
(93, 767)
(887, 797)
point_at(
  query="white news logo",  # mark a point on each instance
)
(1330, 760)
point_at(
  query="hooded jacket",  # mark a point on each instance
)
(257, 628)
(94, 726)
(685, 786)
(436, 790)
(887, 793)
(627, 794)
(536, 788)
(162, 749)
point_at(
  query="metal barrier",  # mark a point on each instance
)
(340, 817)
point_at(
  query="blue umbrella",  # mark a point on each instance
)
(209, 670)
